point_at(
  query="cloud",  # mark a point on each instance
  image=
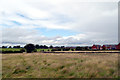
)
(24, 36)
(94, 21)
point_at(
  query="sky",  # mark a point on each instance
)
(59, 22)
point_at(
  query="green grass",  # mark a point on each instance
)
(18, 49)
(10, 49)
(40, 65)
(38, 50)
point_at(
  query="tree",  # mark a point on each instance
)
(45, 47)
(78, 48)
(37, 46)
(86, 48)
(29, 48)
(62, 46)
(4, 46)
(10, 47)
(51, 46)
(14, 46)
(66, 49)
(41, 46)
(17, 46)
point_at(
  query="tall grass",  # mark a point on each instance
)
(39, 65)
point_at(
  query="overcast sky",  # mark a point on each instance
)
(59, 22)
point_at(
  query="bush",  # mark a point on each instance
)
(35, 50)
(66, 49)
(78, 48)
(72, 49)
(22, 50)
(10, 51)
(42, 50)
(58, 49)
(17, 52)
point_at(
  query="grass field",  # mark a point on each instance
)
(10, 49)
(43, 49)
(18, 49)
(41, 65)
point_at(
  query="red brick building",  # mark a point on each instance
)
(96, 47)
(118, 46)
(111, 47)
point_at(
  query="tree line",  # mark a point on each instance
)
(36, 46)
(33, 48)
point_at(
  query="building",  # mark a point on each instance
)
(111, 47)
(106, 47)
(118, 46)
(96, 47)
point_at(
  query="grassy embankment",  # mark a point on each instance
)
(39, 65)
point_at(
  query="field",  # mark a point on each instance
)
(18, 49)
(49, 65)
(10, 49)
(38, 50)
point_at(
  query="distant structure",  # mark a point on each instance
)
(96, 47)
(118, 46)
(106, 47)
(77, 48)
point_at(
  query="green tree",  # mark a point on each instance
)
(29, 48)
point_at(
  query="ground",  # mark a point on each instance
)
(62, 65)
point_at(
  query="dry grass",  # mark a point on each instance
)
(39, 65)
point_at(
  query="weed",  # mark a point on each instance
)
(18, 70)
(61, 67)
(71, 74)
(48, 64)
(28, 67)
(102, 73)
(111, 71)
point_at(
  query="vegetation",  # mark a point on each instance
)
(39, 50)
(40, 65)
(20, 50)
(11, 50)
(29, 48)
(43, 48)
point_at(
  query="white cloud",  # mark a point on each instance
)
(23, 36)
(94, 20)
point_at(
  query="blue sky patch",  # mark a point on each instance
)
(55, 32)
(17, 23)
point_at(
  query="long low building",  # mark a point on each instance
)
(106, 47)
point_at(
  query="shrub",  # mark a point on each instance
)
(10, 51)
(72, 49)
(22, 50)
(57, 49)
(35, 50)
(66, 49)
(17, 52)
(78, 48)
